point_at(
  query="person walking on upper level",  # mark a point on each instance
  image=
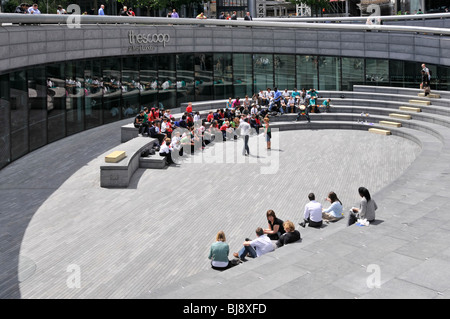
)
(34, 9)
(101, 11)
(174, 14)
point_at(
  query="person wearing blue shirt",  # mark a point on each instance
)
(333, 212)
(326, 104)
(101, 11)
(312, 93)
(277, 96)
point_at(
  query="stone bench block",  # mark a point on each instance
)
(410, 109)
(400, 116)
(379, 131)
(115, 157)
(431, 95)
(420, 102)
(390, 123)
(154, 161)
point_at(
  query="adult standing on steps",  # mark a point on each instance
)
(245, 131)
(267, 132)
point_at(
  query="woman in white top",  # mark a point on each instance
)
(335, 210)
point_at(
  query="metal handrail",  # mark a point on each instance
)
(74, 21)
(428, 16)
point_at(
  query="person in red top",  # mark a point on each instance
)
(189, 108)
(224, 129)
(210, 117)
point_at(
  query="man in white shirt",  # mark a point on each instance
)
(245, 132)
(34, 9)
(257, 247)
(313, 213)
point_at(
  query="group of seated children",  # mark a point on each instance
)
(195, 132)
(289, 102)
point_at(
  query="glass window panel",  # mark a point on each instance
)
(185, 78)
(441, 78)
(167, 88)
(5, 147)
(37, 105)
(352, 73)
(131, 87)
(148, 75)
(284, 71)
(18, 92)
(329, 73)
(377, 72)
(204, 77)
(223, 76)
(263, 71)
(307, 72)
(112, 89)
(243, 75)
(56, 102)
(75, 97)
(93, 97)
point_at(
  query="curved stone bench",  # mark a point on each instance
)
(118, 175)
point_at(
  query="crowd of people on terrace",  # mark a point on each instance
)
(226, 123)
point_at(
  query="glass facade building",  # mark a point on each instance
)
(42, 104)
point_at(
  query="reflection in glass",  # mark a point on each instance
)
(352, 73)
(131, 87)
(440, 78)
(56, 102)
(377, 72)
(307, 77)
(284, 71)
(204, 76)
(148, 76)
(263, 71)
(223, 75)
(18, 93)
(5, 149)
(185, 78)
(243, 79)
(93, 93)
(329, 73)
(75, 97)
(112, 90)
(37, 105)
(167, 88)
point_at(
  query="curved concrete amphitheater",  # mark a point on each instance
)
(67, 237)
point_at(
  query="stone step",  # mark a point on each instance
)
(431, 95)
(154, 161)
(115, 157)
(400, 116)
(379, 131)
(420, 102)
(390, 123)
(410, 109)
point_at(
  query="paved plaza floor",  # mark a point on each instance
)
(63, 236)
